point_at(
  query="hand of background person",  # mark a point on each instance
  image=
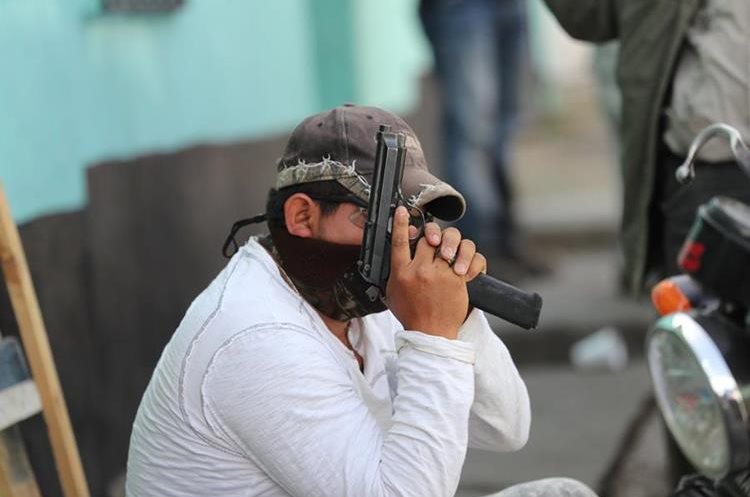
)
(427, 292)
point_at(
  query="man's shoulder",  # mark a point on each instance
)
(245, 297)
(252, 285)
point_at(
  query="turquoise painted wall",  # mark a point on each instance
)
(78, 86)
(392, 53)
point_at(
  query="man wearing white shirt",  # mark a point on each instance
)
(284, 380)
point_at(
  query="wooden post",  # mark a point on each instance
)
(35, 342)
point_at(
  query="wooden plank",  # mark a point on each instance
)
(16, 476)
(36, 344)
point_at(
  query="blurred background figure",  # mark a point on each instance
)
(477, 47)
(681, 66)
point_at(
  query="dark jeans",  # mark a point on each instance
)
(678, 204)
(477, 47)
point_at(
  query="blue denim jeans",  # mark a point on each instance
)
(477, 46)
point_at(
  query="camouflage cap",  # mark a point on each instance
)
(339, 144)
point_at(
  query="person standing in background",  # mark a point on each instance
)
(477, 46)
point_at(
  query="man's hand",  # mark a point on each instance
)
(427, 293)
(461, 254)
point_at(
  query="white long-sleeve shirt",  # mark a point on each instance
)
(254, 396)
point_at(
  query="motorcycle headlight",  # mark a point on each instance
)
(699, 396)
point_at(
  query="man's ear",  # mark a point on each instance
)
(301, 215)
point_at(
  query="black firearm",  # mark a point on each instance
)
(485, 292)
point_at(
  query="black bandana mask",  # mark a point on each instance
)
(324, 273)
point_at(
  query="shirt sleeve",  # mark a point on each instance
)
(500, 416)
(288, 403)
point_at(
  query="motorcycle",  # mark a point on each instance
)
(698, 351)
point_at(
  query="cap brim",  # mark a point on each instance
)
(432, 195)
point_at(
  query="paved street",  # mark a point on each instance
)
(578, 419)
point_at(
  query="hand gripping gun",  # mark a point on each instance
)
(485, 292)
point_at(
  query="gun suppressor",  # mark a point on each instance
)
(505, 301)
